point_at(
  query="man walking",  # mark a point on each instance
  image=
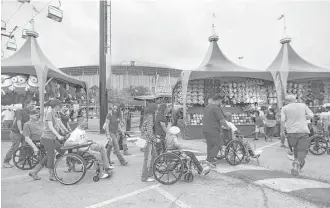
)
(16, 134)
(213, 122)
(294, 116)
(112, 131)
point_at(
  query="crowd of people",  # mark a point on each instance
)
(160, 131)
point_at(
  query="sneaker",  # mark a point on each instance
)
(7, 165)
(111, 167)
(150, 180)
(291, 157)
(124, 163)
(206, 170)
(104, 175)
(295, 169)
(255, 139)
(211, 164)
(283, 145)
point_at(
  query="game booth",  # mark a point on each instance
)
(29, 74)
(243, 91)
(294, 75)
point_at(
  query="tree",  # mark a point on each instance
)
(137, 90)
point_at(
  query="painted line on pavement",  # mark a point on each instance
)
(263, 147)
(110, 201)
(291, 184)
(170, 197)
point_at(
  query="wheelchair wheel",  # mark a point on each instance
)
(96, 178)
(70, 169)
(89, 159)
(24, 158)
(235, 152)
(168, 164)
(318, 146)
(189, 177)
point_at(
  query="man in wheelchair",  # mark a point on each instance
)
(79, 137)
(172, 143)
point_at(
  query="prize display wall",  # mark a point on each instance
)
(15, 89)
(241, 97)
(315, 93)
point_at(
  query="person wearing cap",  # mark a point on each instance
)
(32, 131)
(16, 135)
(49, 134)
(294, 116)
(172, 143)
(150, 153)
(79, 137)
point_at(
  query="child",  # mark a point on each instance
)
(173, 143)
(233, 128)
(259, 124)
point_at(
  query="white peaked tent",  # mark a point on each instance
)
(30, 60)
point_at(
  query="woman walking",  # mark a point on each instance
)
(161, 127)
(150, 153)
(50, 133)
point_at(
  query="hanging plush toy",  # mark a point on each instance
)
(6, 84)
(20, 84)
(33, 85)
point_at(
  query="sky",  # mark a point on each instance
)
(175, 32)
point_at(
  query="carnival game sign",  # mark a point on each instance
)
(162, 89)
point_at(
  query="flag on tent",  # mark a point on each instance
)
(280, 17)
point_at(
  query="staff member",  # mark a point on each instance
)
(213, 121)
(294, 116)
(16, 134)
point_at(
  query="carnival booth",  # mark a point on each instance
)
(29, 74)
(243, 91)
(294, 75)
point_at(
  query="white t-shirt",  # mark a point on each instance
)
(78, 136)
(231, 126)
(8, 115)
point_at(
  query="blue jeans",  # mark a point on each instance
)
(16, 139)
(115, 145)
(150, 155)
(300, 144)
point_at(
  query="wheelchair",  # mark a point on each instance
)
(25, 158)
(174, 164)
(236, 152)
(71, 167)
(319, 144)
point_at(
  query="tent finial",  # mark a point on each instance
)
(286, 38)
(213, 37)
(31, 31)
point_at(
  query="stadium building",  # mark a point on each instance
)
(130, 73)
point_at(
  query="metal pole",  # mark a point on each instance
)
(103, 98)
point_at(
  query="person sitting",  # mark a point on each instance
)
(79, 137)
(235, 131)
(172, 143)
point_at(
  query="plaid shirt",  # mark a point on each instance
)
(148, 129)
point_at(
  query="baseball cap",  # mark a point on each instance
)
(34, 112)
(174, 130)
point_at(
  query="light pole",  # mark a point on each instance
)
(103, 97)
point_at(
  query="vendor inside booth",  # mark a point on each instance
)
(28, 74)
(243, 91)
